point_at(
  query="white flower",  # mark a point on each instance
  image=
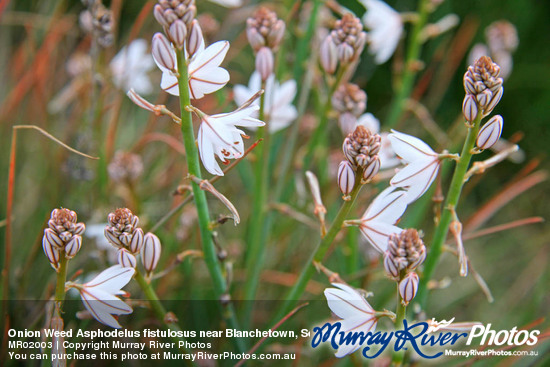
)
(387, 156)
(99, 294)
(278, 107)
(205, 74)
(422, 164)
(356, 313)
(130, 66)
(218, 135)
(379, 220)
(385, 27)
(228, 3)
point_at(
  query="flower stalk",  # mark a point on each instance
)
(449, 207)
(401, 311)
(296, 291)
(193, 166)
(413, 53)
(61, 279)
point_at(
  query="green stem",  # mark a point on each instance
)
(193, 166)
(61, 279)
(442, 229)
(256, 247)
(413, 53)
(401, 311)
(319, 253)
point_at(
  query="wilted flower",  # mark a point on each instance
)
(422, 165)
(490, 133)
(130, 66)
(385, 28)
(278, 108)
(100, 294)
(218, 135)
(205, 74)
(378, 221)
(355, 312)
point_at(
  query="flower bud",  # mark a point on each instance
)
(162, 52)
(112, 238)
(345, 53)
(391, 268)
(371, 169)
(346, 177)
(52, 253)
(264, 63)
(158, 12)
(490, 133)
(126, 259)
(72, 248)
(469, 108)
(195, 39)
(408, 287)
(495, 100)
(137, 241)
(150, 252)
(484, 97)
(255, 39)
(328, 55)
(140, 101)
(469, 85)
(53, 238)
(178, 33)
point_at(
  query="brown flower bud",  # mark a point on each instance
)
(350, 98)
(264, 29)
(349, 38)
(361, 147)
(167, 12)
(406, 249)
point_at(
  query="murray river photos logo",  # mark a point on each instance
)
(421, 337)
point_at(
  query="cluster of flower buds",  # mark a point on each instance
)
(265, 32)
(122, 231)
(483, 88)
(361, 149)
(177, 17)
(99, 20)
(63, 237)
(350, 102)
(125, 167)
(344, 43)
(405, 252)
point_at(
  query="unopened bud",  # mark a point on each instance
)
(112, 238)
(126, 259)
(178, 33)
(484, 97)
(51, 252)
(72, 248)
(53, 238)
(328, 55)
(158, 12)
(469, 107)
(490, 133)
(495, 100)
(346, 178)
(469, 85)
(162, 52)
(150, 252)
(391, 268)
(195, 39)
(408, 287)
(371, 169)
(264, 63)
(137, 241)
(140, 101)
(255, 39)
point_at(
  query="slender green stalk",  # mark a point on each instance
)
(256, 247)
(193, 166)
(401, 311)
(413, 53)
(296, 291)
(451, 202)
(61, 279)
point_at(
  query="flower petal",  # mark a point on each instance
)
(387, 207)
(102, 305)
(416, 178)
(205, 75)
(206, 151)
(410, 148)
(347, 302)
(377, 233)
(169, 83)
(111, 279)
